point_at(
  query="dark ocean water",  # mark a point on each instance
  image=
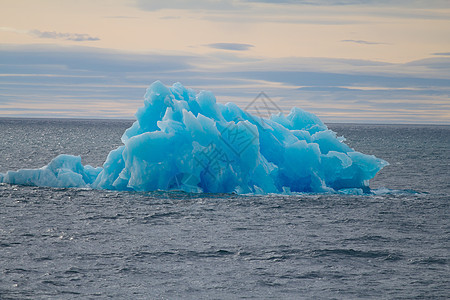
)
(80, 243)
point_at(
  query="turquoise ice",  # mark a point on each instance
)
(186, 141)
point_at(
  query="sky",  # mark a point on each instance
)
(352, 61)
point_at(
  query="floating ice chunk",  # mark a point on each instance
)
(62, 171)
(187, 141)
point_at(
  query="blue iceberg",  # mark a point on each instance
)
(186, 141)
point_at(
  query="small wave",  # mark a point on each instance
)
(431, 260)
(53, 282)
(185, 253)
(158, 215)
(386, 191)
(74, 270)
(356, 253)
(44, 258)
(365, 238)
(307, 275)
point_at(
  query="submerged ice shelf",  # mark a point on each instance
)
(186, 141)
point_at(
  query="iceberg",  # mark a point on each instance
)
(188, 142)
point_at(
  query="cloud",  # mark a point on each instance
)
(415, 3)
(434, 63)
(362, 42)
(170, 17)
(120, 17)
(184, 4)
(78, 37)
(310, 2)
(9, 29)
(90, 81)
(248, 4)
(442, 53)
(317, 79)
(91, 59)
(322, 12)
(231, 46)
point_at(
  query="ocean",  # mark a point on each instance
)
(91, 244)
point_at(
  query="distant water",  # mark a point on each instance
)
(79, 243)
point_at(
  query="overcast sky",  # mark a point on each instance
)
(345, 60)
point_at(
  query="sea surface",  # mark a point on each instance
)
(90, 244)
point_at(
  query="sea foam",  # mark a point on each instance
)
(186, 141)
